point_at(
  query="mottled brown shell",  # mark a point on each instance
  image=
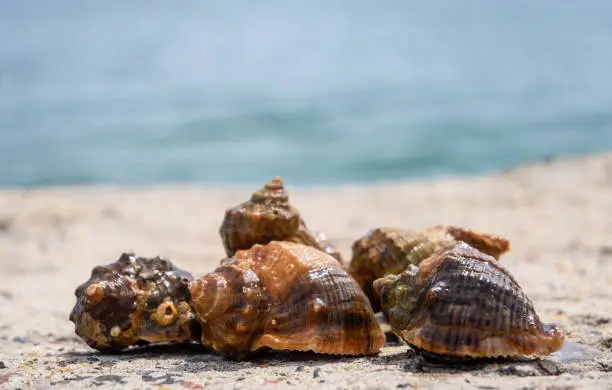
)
(284, 296)
(385, 251)
(134, 300)
(462, 303)
(268, 216)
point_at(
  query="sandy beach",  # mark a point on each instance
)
(557, 215)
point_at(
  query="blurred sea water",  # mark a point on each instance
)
(135, 92)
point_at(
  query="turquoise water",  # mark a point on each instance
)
(318, 92)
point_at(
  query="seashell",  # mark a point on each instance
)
(134, 300)
(326, 246)
(461, 304)
(490, 244)
(386, 251)
(284, 296)
(268, 216)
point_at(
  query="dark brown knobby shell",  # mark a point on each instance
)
(385, 251)
(462, 303)
(284, 296)
(134, 300)
(268, 216)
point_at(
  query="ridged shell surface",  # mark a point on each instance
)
(134, 300)
(284, 296)
(385, 251)
(462, 303)
(268, 216)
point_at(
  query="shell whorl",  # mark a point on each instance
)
(231, 306)
(265, 217)
(268, 216)
(284, 295)
(209, 295)
(462, 303)
(273, 191)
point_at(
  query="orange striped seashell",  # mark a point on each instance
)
(284, 296)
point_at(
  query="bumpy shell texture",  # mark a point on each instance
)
(284, 296)
(462, 303)
(268, 216)
(134, 300)
(385, 251)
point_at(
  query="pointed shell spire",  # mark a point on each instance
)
(267, 216)
(273, 191)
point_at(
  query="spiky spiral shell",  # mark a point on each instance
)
(462, 303)
(284, 296)
(268, 216)
(132, 301)
(385, 251)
